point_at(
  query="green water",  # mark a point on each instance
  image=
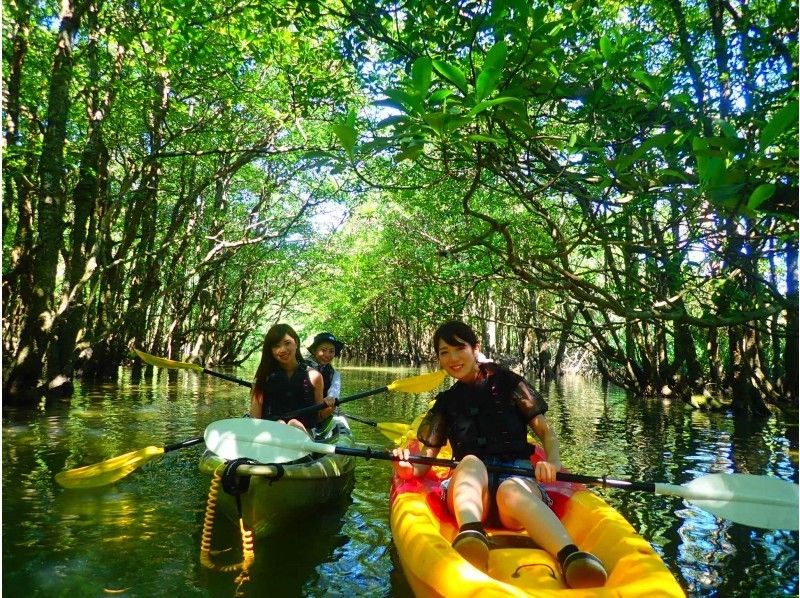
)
(141, 536)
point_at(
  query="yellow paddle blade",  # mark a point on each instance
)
(421, 383)
(108, 471)
(394, 431)
(161, 362)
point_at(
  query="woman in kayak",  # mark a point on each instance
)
(284, 383)
(485, 416)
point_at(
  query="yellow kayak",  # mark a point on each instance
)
(423, 529)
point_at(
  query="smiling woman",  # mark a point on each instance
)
(284, 383)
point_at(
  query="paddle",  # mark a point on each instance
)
(413, 384)
(111, 470)
(758, 501)
(116, 468)
(392, 430)
(161, 362)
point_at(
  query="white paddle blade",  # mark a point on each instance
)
(754, 500)
(259, 439)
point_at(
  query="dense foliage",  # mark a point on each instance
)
(595, 185)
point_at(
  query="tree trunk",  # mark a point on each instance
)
(70, 319)
(24, 378)
(790, 354)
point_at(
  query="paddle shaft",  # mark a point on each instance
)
(369, 422)
(561, 476)
(238, 381)
(183, 444)
(320, 406)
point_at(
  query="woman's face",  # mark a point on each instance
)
(325, 353)
(284, 351)
(459, 361)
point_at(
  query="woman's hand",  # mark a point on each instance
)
(546, 472)
(327, 411)
(403, 468)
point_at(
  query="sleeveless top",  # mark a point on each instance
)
(283, 394)
(486, 418)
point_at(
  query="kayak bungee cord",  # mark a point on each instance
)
(248, 548)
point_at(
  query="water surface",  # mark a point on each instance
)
(141, 536)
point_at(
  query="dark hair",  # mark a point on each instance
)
(268, 363)
(454, 333)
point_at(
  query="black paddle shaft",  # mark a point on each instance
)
(238, 381)
(561, 476)
(321, 406)
(183, 444)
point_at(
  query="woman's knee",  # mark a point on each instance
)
(472, 467)
(471, 462)
(515, 493)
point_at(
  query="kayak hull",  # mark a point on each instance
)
(275, 500)
(423, 530)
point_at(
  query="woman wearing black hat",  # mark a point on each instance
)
(323, 349)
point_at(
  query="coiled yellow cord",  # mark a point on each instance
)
(248, 549)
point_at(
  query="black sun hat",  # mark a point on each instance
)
(326, 337)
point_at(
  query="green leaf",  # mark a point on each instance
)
(438, 96)
(480, 107)
(711, 170)
(732, 144)
(410, 153)
(436, 120)
(421, 75)
(487, 139)
(347, 136)
(665, 172)
(649, 81)
(451, 73)
(606, 47)
(782, 119)
(661, 141)
(761, 194)
(390, 121)
(496, 56)
(408, 102)
(486, 82)
(727, 128)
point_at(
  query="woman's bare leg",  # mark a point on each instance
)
(468, 493)
(520, 505)
(468, 500)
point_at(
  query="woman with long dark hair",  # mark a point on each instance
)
(284, 383)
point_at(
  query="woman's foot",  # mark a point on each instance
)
(583, 570)
(472, 544)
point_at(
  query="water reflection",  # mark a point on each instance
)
(141, 536)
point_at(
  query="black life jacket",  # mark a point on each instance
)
(482, 419)
(327, 374)
(283, 394)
